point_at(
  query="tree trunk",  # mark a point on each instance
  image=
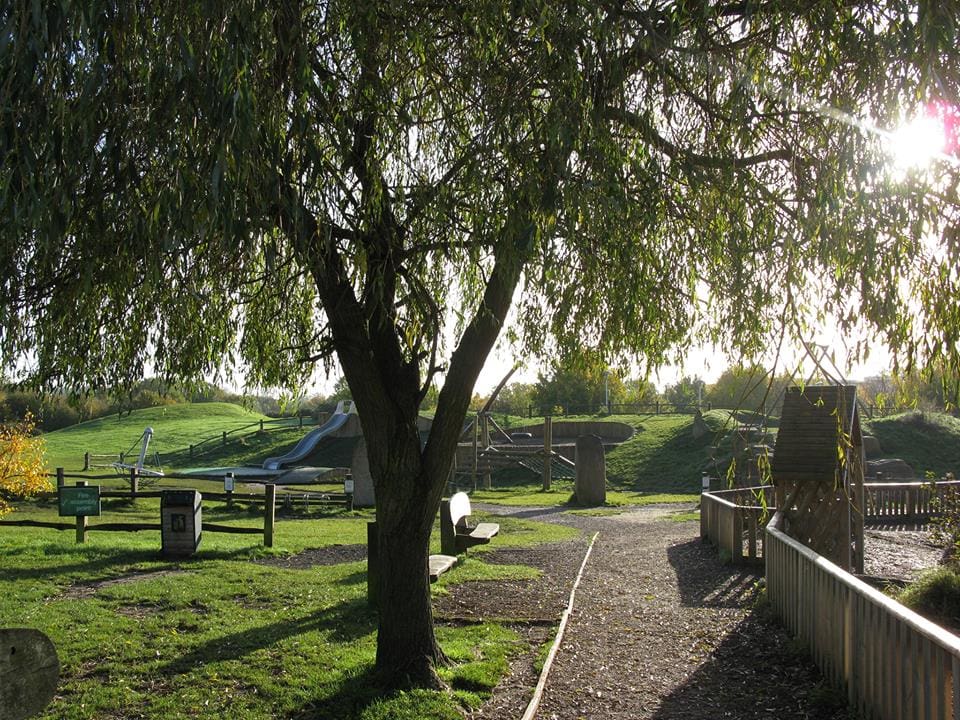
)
(407, 649)
(407, 503)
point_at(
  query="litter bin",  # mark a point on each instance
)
(180, 522)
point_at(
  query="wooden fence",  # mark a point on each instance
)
(898, 502)
(732, 519)
(892, 662)
(268, 499)
(728, 517)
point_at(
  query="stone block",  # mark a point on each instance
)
(591, 483)
(363, 495)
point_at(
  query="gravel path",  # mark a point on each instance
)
(660, 630)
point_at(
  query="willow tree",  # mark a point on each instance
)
(189, 186)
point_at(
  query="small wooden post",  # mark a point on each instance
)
(299, 421)
(81, 520)
(224, 438)
(547, 451)
(476, 430)
(86, 461)
(485, 441)
(261, 425)
(191, 451)
(373, 565)
(134, 482)
(270, 492)
(229, 488)
(60, 479)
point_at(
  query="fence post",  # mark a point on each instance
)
(86, 461)
(270, 492)
(658, 408)
(81, 520)
(224, 438)
(476, 430)
(299, 420)
(261, 425)
(60, 480)
(191, 451)
(485, 440)
(547, 451)
(134, 482)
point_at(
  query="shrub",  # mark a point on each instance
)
(21, 462)
(936, 596)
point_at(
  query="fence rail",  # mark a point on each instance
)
(269, 499)
(892, 662)
(917, 501)
(732, 519)
(728, 518)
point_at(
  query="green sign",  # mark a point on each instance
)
(79, 501)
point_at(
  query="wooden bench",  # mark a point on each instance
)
(438, 565)
(456, 531)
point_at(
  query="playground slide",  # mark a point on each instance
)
(309, 441)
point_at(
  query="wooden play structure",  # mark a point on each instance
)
(817, 468)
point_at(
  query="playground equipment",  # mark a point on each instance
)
(818, 465)
(308, 442)
(124, 468)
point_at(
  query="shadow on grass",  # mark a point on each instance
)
(356, 578)
(345, 622)
(354, 694)
(99, 561)
(359, 690)
(706, 582)
(526, 513)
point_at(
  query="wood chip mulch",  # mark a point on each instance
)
(660, 629)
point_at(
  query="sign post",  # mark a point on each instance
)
(228, 485)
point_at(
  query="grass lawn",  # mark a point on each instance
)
(175, 428)
(561, 493)
(928, 442)
(221, 635)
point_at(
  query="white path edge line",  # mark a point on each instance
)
(548, 663)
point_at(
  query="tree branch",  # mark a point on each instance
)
(674, 152)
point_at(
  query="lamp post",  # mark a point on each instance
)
(606, 389)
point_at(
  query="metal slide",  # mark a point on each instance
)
(309, 441)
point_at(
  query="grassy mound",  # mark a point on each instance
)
(928, 442)
(175, 428)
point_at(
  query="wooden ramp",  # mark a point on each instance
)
(817, 469)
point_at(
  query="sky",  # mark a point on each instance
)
(705, 363)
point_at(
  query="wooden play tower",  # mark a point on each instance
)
(817, 469)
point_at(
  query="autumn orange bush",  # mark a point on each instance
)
(22, 471)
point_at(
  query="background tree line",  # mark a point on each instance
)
(579, 390)
(569, 388)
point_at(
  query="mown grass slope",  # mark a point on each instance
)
(928, 442)
(175, 428)
(665, 455)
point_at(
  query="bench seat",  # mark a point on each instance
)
(456, 532)
(479, 535)
(439, 564)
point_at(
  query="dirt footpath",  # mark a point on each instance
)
(660, 629)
